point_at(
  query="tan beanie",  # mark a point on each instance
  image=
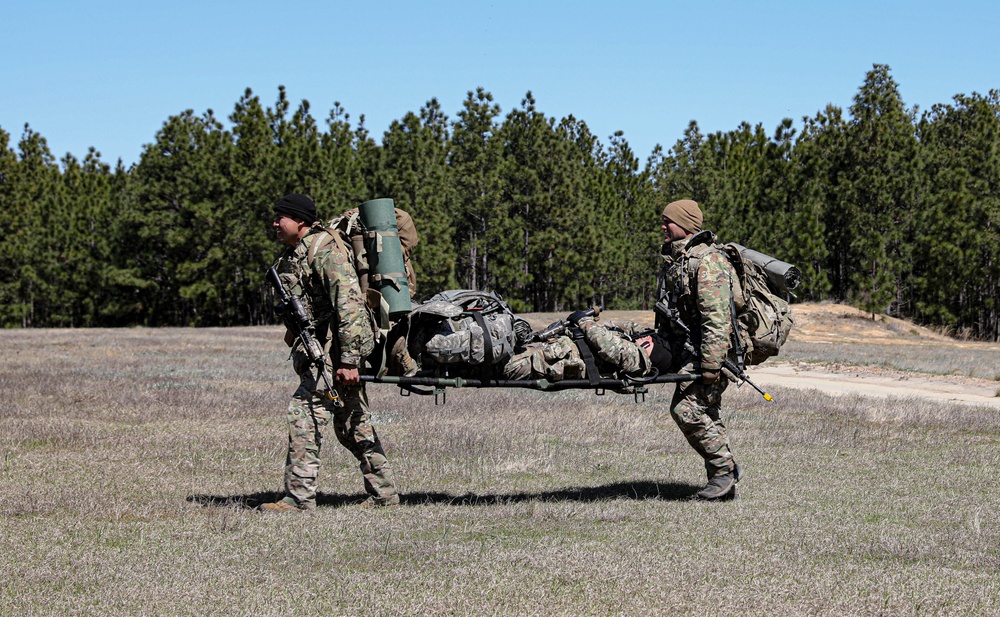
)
(684, 213)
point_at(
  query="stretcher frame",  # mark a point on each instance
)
(426, 385)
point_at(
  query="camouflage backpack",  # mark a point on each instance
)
(766, 318)
(763, 318)
(465, 327)
(352, 234)
(347, 232)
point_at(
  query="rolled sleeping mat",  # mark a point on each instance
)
(782, 275)
(387, 270)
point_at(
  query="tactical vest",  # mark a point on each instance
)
(297, 269)
(761, 318)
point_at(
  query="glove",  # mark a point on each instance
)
(577, 316)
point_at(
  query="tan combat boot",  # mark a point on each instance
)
(372, 502)
(281, 506)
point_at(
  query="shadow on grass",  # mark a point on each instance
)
(636, 491)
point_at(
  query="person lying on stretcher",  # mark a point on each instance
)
(619, 348)
(446, 335)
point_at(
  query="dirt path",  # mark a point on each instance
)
(838, 323)
(877, 382)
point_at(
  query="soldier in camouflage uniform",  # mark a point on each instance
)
(319, 272)
(622, 348)
(555, 360)
(698, 284)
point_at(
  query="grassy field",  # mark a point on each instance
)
(131, 460)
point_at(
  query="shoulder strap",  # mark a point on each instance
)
(324, 238)
(487, 371)
(579, 339)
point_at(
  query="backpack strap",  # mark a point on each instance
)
(323, 239)
(477, 316)
(391, 278)
(593, 374)
(734, 335)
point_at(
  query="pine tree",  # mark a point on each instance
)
(820, 159)
(414, 173)
(732, 167)
(957, 246)
(255, 172)
(122, 286)
(178, 231)
(11, 255)
(537, 173)
(565, 244)
(12, 227)
(27, 258)
(635, 236)
(84, 217)
(678, 174)
(519, 248)
(475, 156)
(344, 184)
(877, 194)
(812, 170)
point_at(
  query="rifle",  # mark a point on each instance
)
(669, 311)
(559, 327)
(296, 319)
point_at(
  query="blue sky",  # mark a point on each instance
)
(108, 74)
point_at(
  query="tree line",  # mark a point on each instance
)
(890, 208)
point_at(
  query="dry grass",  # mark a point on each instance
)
(833, 334)
(981, 360)
(130, 460)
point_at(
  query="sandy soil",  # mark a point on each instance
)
(869, 381)
(832, 323)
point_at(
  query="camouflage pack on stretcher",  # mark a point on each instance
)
(464, 327)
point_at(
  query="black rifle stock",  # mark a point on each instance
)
(552, 330)
(296, 319)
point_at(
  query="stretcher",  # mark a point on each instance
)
(437, 385)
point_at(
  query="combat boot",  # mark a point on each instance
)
(281, 506)
(721, 487)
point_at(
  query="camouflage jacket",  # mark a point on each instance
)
(699, 283)
(329, 289)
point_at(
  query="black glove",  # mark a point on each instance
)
(575, 317)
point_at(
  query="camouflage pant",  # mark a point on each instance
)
(555, 360)
(308, 417)
(611, 343)
(560, 359)
(695, 408)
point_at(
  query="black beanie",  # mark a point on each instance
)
(297, 206)
(661, 356)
